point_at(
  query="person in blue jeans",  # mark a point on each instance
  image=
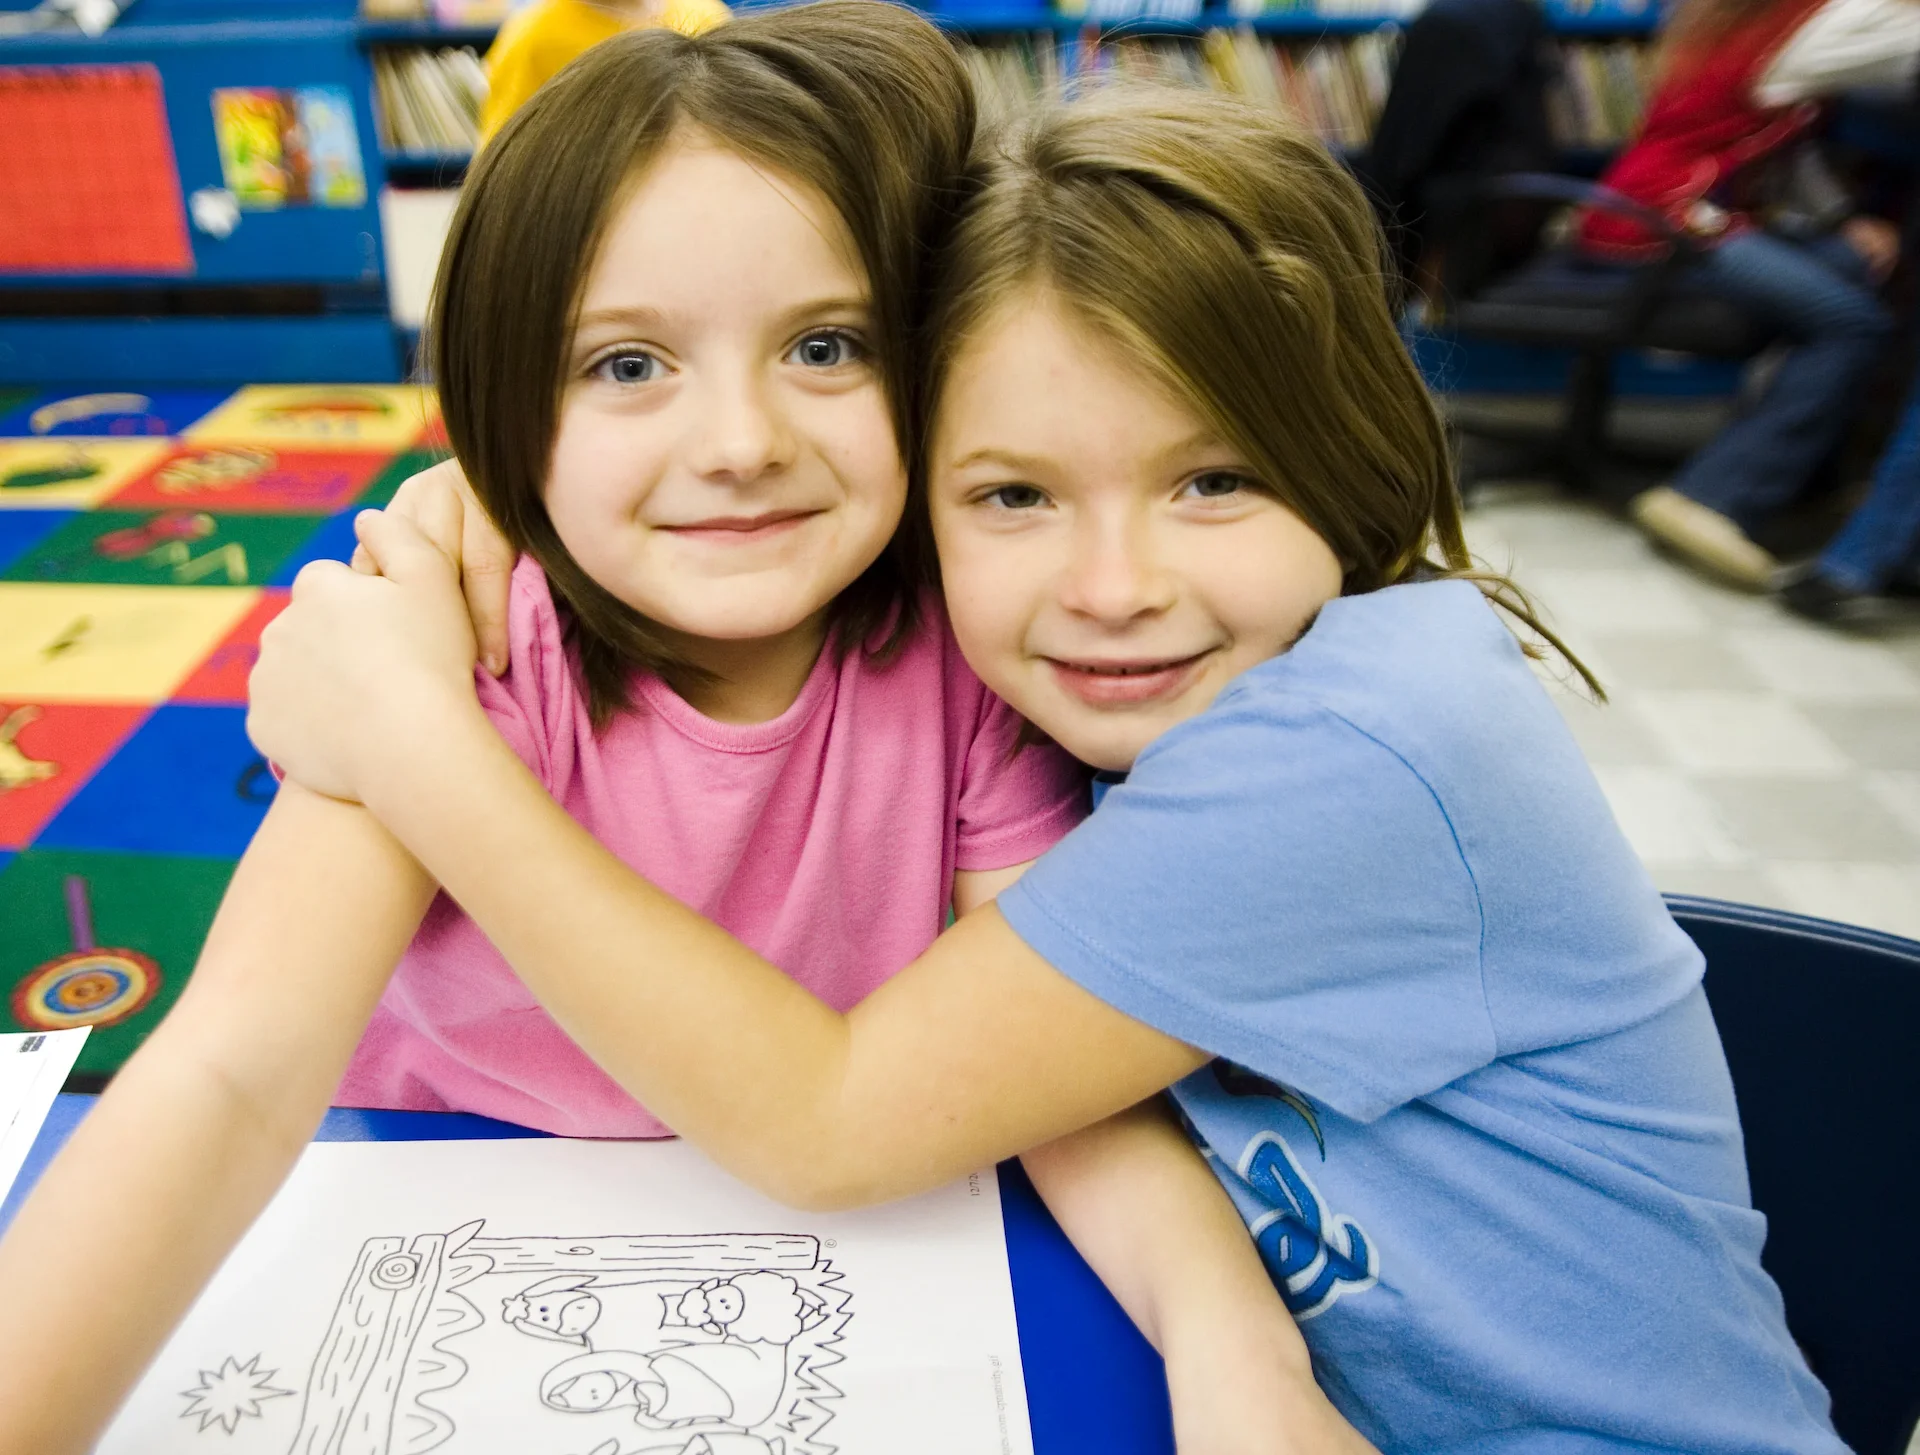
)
(1740, 88)
(1878, 549)
(1820, 296)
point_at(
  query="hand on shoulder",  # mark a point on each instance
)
(442, 505)
(361, 669)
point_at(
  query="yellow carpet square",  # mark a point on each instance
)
(349, 416)
(62, 643)
(65, 474)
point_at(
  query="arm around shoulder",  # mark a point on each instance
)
(203, 1124)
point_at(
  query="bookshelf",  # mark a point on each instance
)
(265, 286)
(1083, 37)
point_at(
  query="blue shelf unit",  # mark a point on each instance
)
(298, 294)
(295, 292)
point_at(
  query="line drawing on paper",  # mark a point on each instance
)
(231, 1393)
(626, 1344)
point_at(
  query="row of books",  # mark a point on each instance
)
(1331, 9)
(462, 13)
(1602, 93)
(428, 101)
(1335, 87)
(1627, 13)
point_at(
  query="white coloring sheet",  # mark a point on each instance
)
(545, 1297)
(33, 1068)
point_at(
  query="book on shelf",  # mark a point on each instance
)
(427, 100)
(1118, 12)
(1601, 93)
(1383, 10)
(1336, 88)
(458, 14)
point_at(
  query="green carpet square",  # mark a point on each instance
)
(165, 548)
(146, 916)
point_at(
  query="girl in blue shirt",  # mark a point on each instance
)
(1359, 904)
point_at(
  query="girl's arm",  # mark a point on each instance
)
(978, 1050)
(1153, 1221)
(1149, 1216)
(202, 1125)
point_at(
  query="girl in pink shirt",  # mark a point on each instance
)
(830, 838)
(672, 339)
(724, 663)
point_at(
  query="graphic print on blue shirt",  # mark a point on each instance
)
(1315, 1255)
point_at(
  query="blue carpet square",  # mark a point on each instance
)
(188, 782)
(22, 530)
(334, 541)
(113, 413)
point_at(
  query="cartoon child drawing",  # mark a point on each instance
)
(554, 1308)
(753, 1308)
(735, 1376)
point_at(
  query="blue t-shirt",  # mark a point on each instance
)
(1470, 1098)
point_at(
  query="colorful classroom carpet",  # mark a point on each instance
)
(145, 540)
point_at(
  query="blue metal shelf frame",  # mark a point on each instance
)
(291, 245)
(200, 46)
(1014, 17)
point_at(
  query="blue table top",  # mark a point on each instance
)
(1093, 1384)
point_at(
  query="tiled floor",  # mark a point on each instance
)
(1748, 755)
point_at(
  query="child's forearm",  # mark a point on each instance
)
(1152, 1220)
(202, 1125)
(1150, 1217)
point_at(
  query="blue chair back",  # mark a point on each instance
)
(1821, 1024)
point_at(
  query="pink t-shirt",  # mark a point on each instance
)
(827, 839)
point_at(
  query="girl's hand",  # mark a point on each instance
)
(442, 505)
(361, 666)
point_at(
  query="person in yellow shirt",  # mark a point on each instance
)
(539, 39)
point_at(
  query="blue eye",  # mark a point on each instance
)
(829, 348)
(1217, 485)
(1016, 497)
(631, 366)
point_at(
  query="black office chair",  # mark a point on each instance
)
(1463, 170)
(1821, 1024)
(1498, 284)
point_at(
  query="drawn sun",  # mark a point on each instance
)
(230, 1394)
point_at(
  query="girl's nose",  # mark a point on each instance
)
(742, 433)
(1115, 576)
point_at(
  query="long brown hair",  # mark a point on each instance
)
(1223, 249)
(860, 100)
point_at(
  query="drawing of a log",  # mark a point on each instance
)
(355, 1383)
(655, 1253)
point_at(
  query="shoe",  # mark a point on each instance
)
(1703, 537)
(1818, 599)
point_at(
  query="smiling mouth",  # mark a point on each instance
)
(1126, 684)
(737, 529)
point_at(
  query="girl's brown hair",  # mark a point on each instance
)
(1225, 251)
(860, 100)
